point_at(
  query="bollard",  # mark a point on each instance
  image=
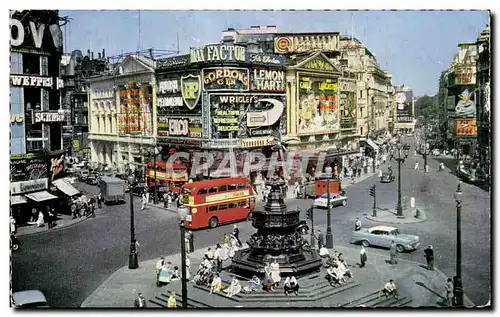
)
(412, 202)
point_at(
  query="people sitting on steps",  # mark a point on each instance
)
(390, 289)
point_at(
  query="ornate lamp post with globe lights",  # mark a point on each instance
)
(400, 154)
(133, 262)
(183, 216)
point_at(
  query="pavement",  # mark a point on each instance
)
(410, 215)
(424, 287)
(63, 221)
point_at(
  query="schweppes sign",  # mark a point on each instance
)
(191, 90)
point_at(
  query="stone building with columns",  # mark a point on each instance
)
(121, 112)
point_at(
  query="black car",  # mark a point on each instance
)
(138, 188)
(387, 178)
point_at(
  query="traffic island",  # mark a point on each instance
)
(410, 215)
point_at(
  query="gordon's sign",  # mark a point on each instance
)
(225, 78)
(47, 117)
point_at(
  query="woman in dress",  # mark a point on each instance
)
(188, 268)
(323, 252)
(224, 253)
(253, 284)
(165, 273)
(233, 248)
(216, 284)
(267, 282)
(39, 221)
(275, 273)
(234, 288)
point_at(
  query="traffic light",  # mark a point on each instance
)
(309, 213)
(372, 190)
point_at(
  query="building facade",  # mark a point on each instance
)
(405, 110)
(122, 116)
(36, 140)
(220, 98)
(483, 111)
(75, 71)
(461, 104)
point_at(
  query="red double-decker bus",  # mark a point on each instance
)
(217, 201)
(168, 175)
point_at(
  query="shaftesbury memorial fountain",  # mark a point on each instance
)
(278, 237)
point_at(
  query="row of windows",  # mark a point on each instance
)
(241, 204)
(223, 188)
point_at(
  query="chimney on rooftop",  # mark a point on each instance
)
(103, 53)
(255, 27)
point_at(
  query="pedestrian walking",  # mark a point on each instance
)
(159, 266)
(143, 201)
(236, 234)
(321, 239)
(218, 257)
(416, 166)
(186, 241)
(191, 241)
(362, 257)
(99, 200)
(380, 173)
(393, 250)
(140, 301)
(357, 224)
(429, 256)
(449, 292)
(13, 226)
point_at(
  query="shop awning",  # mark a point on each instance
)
(17, 200)
(40, 196)
(66, 188)
(372, 144)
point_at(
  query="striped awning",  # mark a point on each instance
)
(66, 188)
(41, 196)
(372, 144)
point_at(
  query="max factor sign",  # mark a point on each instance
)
(47, 117)
(218, 53)
(35, 81)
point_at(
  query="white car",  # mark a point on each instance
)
(29, 299)
(335, 200)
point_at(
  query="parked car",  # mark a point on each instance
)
(381, 236)
(387, 178)
(29, 299)
(336, 199)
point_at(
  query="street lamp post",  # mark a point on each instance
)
(182, 212)
(329, 236)
(400, 159)
(458, 290)
(157, 150)
(133, 262)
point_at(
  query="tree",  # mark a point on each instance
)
(427, 107)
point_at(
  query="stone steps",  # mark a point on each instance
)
(314, 291)
(378, 299)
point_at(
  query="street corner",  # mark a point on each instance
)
(410, 215)
(63, 221)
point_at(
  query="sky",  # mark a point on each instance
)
(414, 46)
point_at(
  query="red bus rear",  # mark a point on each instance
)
(171, 176)
(217, 201)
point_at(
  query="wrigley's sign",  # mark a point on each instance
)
(35, 81)
(46, 117)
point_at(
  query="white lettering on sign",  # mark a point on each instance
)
(257, 142)
(268, 80)
(18, 38)
(168, 86)
(226, 76)
(178, 127)
(218, 53)
(31, 81)
(42, 117)
(170, 102)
